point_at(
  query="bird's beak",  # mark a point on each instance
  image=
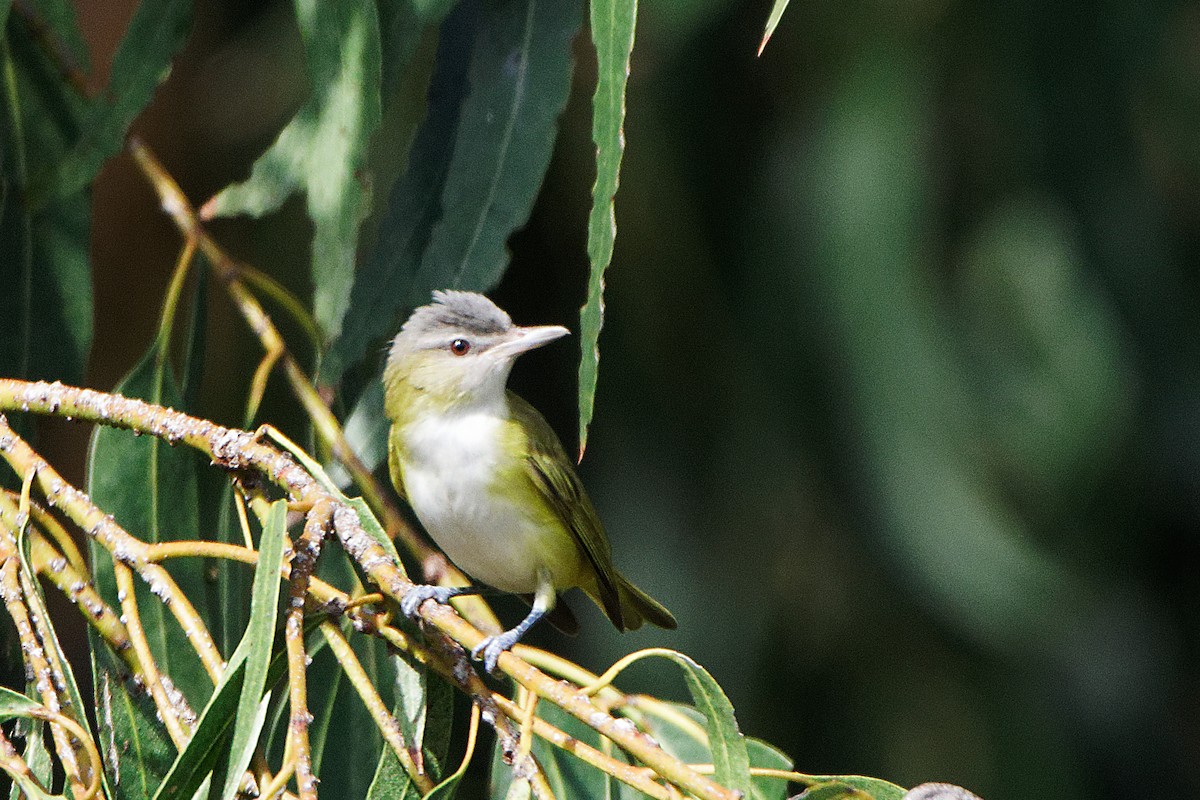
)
(525, 339)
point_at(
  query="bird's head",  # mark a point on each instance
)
(459, 350)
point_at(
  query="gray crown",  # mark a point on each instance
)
(455, 310)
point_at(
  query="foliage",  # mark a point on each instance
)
(324, 681)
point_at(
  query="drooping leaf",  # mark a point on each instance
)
(264, 603)
(502, 78)
(324, 147)
(46, 329)
(436, 697)
(766, 755)
(613, 23)
(137, 751)
(772, 23)
(150, 488)
(727, 746)
(143, 60)
(14, 704)
(520, 77)
(383, 283)
(210, 738)
(731, 762)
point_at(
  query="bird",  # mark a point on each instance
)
(487, 476)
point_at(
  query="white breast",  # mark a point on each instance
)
(449, 469)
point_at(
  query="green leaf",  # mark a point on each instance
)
(402, 23)
(613, 23)
(36, 754)
(411, 679)
(233, 719)
(501, 80)
(233, 578)
(730, 758)
(520, 78)
(260, 634)
(156, 32)
(772, 23)
(151, 490)
(14, 704)
(209, 739)
(46, 331)
(70, 47)
(767, 756)
(366, 429)
(71, 705)
(436, 698)
(324, 147)
(137, 751)
(192, 368)
(383, 285)
(731, 762)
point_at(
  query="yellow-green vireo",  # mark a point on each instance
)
(486, 475)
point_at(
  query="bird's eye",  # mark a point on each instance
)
(460, 347)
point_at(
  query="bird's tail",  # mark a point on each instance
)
(638, 607)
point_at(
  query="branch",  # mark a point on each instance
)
(240, 451)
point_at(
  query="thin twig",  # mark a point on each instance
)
(15, 766)
(124, 548)
(35, 656)
(304, 561)
(177, 206)
(640, 778)
(378, 710)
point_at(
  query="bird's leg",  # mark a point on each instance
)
(543, 602)
(410, 604)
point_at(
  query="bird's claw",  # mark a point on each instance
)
(489, 649)
(411, 603)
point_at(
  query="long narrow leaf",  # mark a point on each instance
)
(324, 147)
(14, 704)
(137, 751)
(772, 23)
(520, 77)
(260, 634)
(209, 739)
(46, 330)
(151, 490)
(383, 285)
(613, 23)
(730, 756)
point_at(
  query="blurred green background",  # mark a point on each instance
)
(898, 410)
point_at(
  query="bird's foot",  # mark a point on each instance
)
(489, 649)
(411, 602)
